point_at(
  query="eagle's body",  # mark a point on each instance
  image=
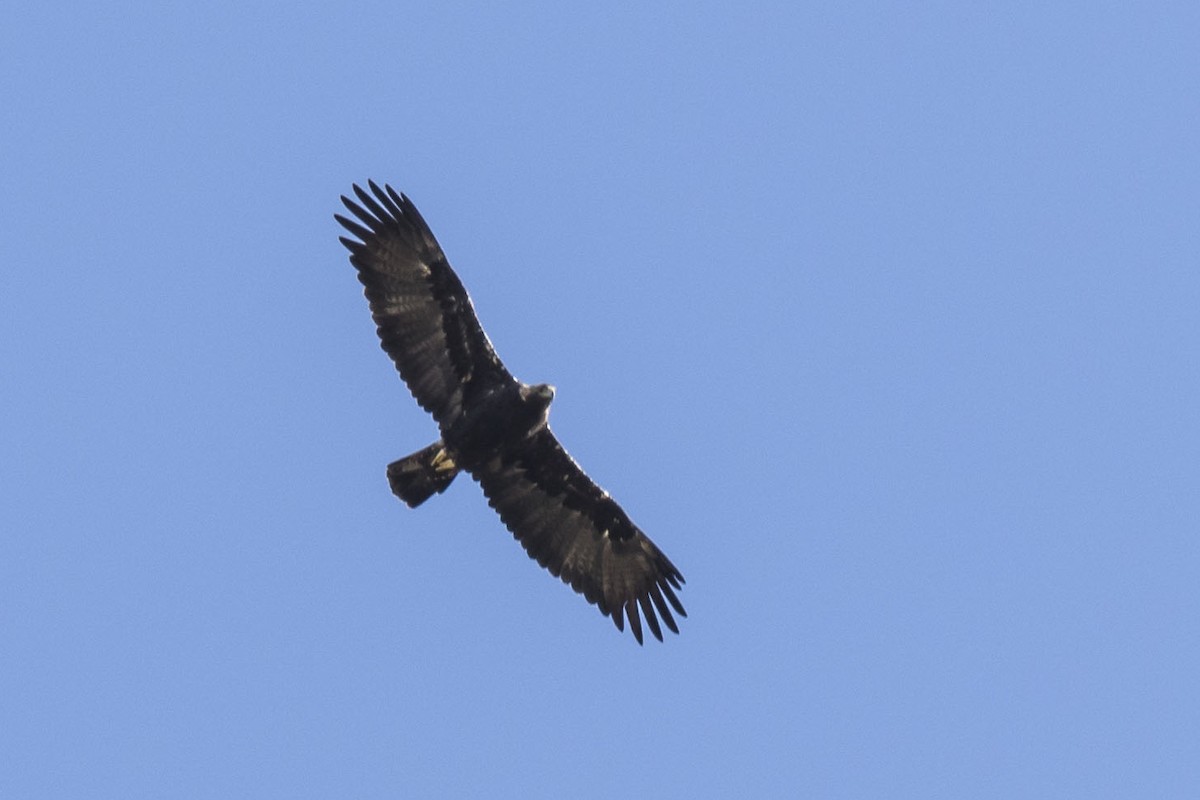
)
(493, 426)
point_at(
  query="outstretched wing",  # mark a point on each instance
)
(574, 529)
(425, 319)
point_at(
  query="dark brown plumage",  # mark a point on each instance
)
(493, 426)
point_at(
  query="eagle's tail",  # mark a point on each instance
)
(418, 477)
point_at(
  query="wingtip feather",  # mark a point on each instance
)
(651, 619)
(663, 610)
(635, 622)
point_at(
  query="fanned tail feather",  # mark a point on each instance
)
(416, 478)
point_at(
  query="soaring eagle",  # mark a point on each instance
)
(493, 426)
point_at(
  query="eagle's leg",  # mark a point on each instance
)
(418, 477)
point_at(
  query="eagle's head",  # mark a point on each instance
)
(537, 399)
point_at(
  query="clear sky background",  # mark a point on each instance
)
(881, 319)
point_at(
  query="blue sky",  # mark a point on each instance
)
(881, 319)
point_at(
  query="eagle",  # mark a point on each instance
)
(493, 426)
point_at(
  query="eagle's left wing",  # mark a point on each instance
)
(573, 528)
(424, 318)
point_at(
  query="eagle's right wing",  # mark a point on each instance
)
(424, 318)
(574, 528)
